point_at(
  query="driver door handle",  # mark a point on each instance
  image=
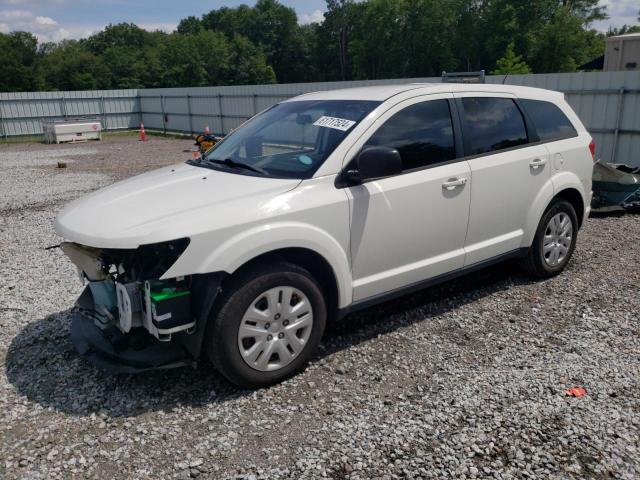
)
(454, 182)
(537, 162)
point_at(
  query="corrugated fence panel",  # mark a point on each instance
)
(23, 113)
(224, 108)
(607, 102)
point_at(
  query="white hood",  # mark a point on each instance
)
(142, 209)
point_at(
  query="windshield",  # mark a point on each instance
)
(290, 140)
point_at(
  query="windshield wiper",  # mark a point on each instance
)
(238, 165)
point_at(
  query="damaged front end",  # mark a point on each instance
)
(129, 319)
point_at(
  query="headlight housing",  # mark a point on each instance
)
(126, 265)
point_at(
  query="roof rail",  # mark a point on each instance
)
(463, 77)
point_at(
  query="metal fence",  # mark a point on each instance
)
(23, 113)
(224, 108)
(607, 102)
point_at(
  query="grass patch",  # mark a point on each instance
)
(105, 135)
(22, 139)
(174, 135)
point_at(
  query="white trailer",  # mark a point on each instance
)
(73, 130)
(622, 52)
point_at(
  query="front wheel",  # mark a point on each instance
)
(268, 325)
(554, 241)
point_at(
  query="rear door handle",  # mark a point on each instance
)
(537, 162)
(454, 182)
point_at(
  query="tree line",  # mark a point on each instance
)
(357, 40)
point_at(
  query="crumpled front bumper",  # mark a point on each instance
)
(116, 352)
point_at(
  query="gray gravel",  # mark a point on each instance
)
(465, 380)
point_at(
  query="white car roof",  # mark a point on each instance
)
(383, 92)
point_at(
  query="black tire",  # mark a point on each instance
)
(222, 330)
(535, 262)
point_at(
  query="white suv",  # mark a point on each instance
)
(318, 206)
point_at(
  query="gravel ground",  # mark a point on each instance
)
(465, 380)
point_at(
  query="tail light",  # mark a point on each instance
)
(592, 149)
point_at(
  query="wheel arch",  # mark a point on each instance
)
(570, 190)
(306, 245)
(318, 266)
(574, 197)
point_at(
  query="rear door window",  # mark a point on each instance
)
(550, 122)
(492, 124)
(422, 133)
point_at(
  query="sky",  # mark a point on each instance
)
(54, 20)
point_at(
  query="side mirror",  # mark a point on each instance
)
(375, 162)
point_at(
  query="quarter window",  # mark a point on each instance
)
(550, 122)
(422, 133)
(493, 124)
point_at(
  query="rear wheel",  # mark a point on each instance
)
(268, 325)
(554, 241)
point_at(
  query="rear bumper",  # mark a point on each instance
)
(112, 351)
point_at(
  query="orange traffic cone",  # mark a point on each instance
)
(206, 130)
(143, 135)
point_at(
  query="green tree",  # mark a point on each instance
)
(189, 26)
(183, 63)
(623, 30)
(426, 43)
(272, 27)
(358, 39)
(377, 35)
(552, 35)
(335, 35)
(511, 64)
(210, 58)
(18, 57)
(124, 35)
(130, 54)
(247, 64)
(70, 66)
(563, 43)
(468, 32)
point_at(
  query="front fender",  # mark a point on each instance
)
(249, 244)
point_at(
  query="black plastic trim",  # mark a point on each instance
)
(532, 132)
(429, 282)
(457, 129)
(112, 351)
(205, 289)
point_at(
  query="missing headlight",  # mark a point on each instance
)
(127, 291)
(126, 265)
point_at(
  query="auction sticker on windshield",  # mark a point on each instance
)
(333, 122)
